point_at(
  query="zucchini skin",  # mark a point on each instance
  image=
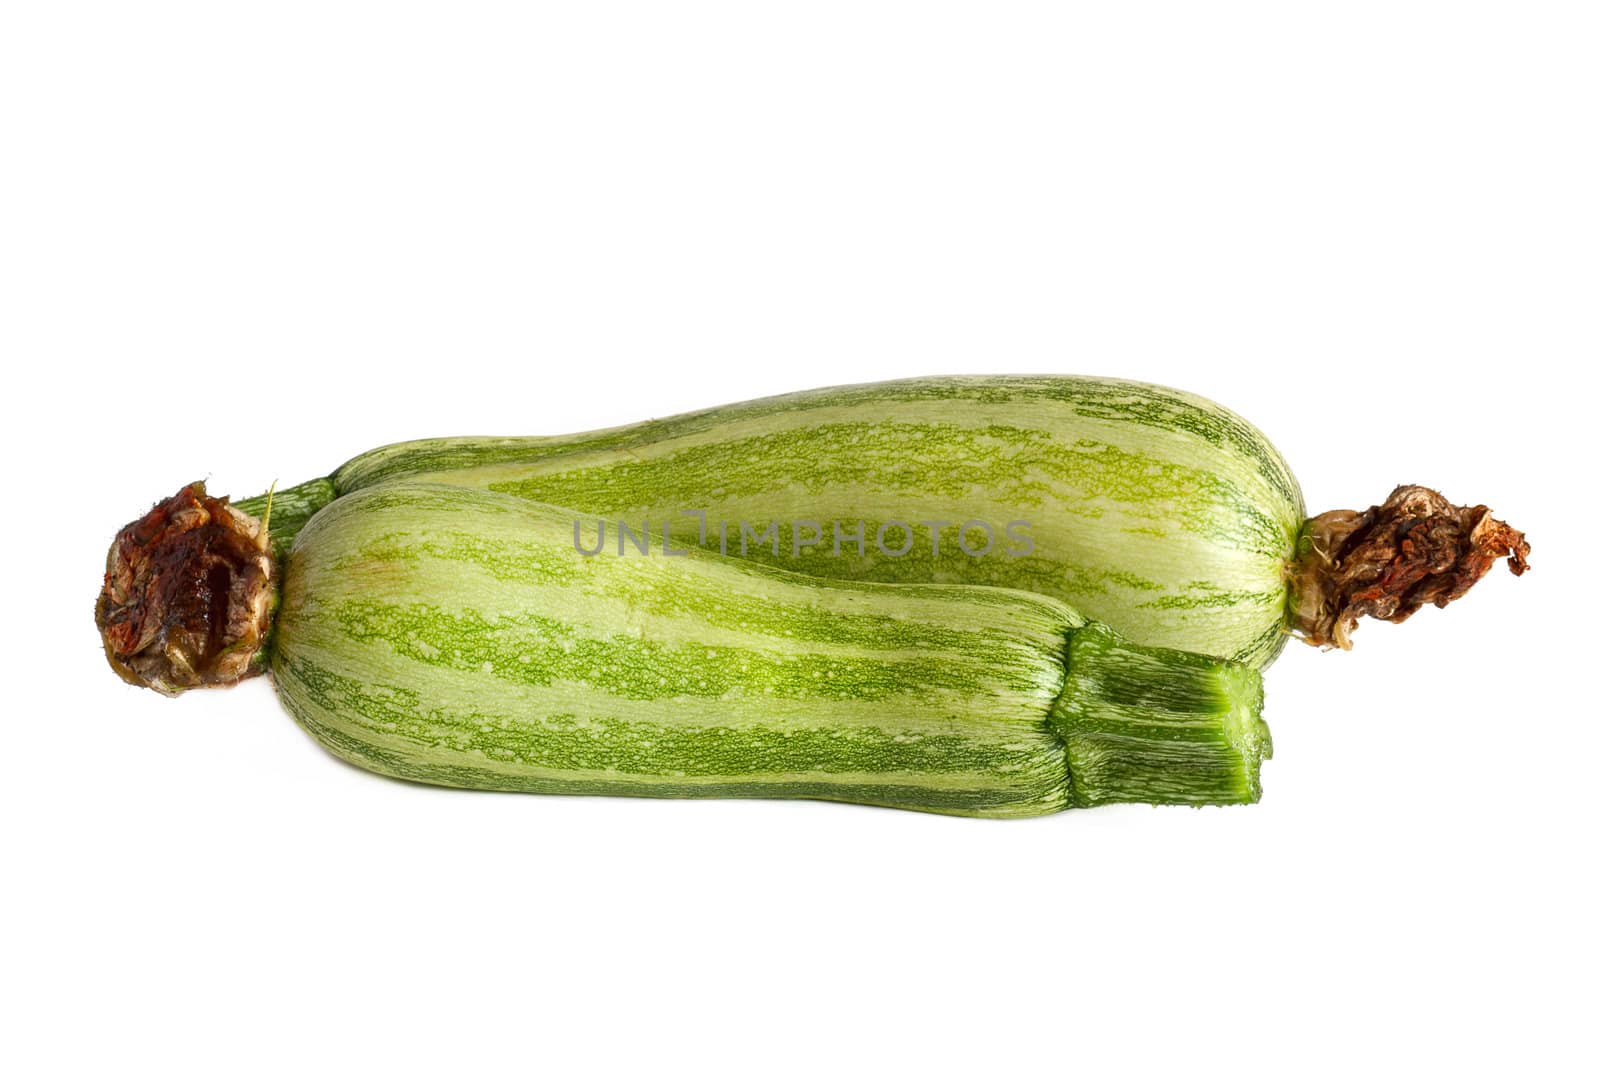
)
(1153, 510)
(453, 636)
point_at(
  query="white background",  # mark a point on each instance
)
(246, 243)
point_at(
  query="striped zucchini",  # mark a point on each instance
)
(453, 636)
(1155, 511)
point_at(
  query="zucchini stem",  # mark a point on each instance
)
(1156, 726)
(289, 508)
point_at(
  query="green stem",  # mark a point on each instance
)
(292, 508)
(1156, 726)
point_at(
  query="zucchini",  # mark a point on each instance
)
(452, 636)
(1152, 510)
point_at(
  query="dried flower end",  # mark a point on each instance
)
(188, 595)
(1415, 548)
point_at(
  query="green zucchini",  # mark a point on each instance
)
(453, 636)
(1155, 511)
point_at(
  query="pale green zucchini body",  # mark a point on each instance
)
(454, 636)
(1158, 512)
